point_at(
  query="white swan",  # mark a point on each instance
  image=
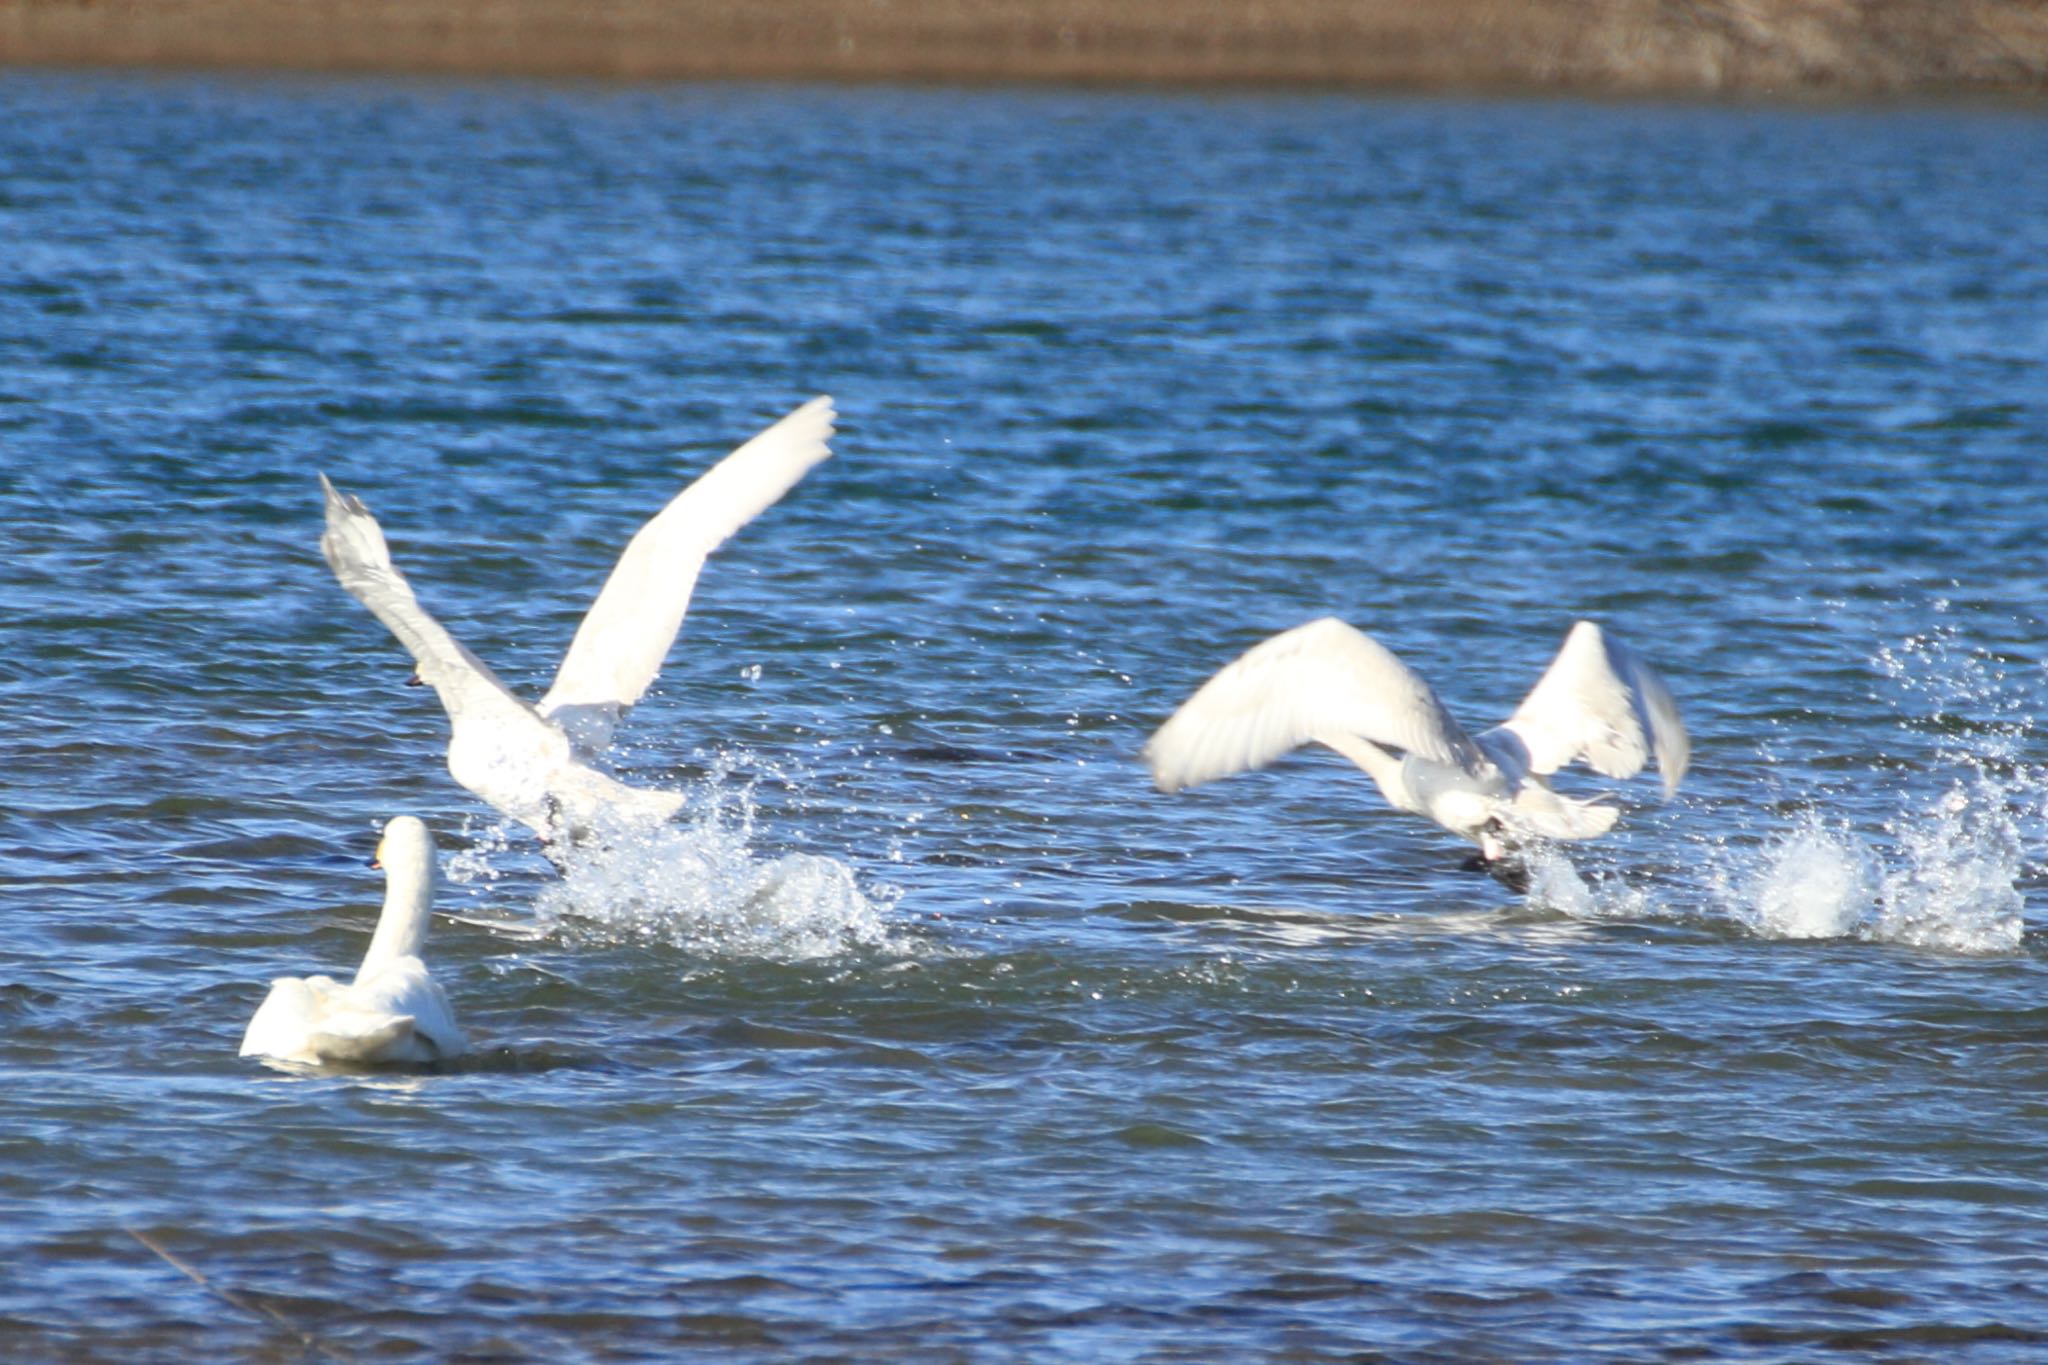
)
(393, 1011)
(530, 761)
(1329, 683)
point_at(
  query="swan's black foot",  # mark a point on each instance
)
(1510, 871)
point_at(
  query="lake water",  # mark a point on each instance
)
(931, 1031)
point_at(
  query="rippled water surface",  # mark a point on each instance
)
(930, 1030)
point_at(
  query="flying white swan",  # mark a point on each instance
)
(1329, 683)
(530, 762)
(393, 1011)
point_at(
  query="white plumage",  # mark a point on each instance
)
(529, 762)
(1328, 683)
(393, 1011)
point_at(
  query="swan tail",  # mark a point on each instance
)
(584, 804)
(1549, 815)
(359, 1037)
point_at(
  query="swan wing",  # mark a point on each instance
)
(1600, 702)
(1322, 680)
(286, 1017)
(362, 1036)
(316, 1020)
(628, 631)
(354, 547)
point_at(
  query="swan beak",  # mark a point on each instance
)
(415, 680)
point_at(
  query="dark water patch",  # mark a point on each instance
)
(1993, 417)
(626, 317)
(430, 413)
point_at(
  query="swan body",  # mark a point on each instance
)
(531, 762)
(1328, 683)
(393, 1011)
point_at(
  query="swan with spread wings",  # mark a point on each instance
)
(532, 761)
(1329, 683)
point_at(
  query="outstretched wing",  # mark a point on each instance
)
(1320, 681)
(628, 631)
(354, 547)
(1599, 702)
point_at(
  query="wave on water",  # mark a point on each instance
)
(1938, 869)
(697, 883)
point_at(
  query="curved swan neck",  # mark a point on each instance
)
(408, 859)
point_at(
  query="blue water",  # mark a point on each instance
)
(931, 1031)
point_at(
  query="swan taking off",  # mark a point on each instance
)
(393, 1011)
(1329, 683)
(531, 762)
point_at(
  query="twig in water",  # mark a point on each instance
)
(311, 1342)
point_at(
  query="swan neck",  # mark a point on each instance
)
(402, 927)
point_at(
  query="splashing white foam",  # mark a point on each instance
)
(1948, 881)
(697, 884)
(1956, 884)
(475, 863)
(1556, 884)
(1941, 874)
(1813, 882)
(700, 887)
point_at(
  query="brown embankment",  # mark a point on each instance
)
(1782, 47)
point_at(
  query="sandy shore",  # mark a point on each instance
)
(1780, 47)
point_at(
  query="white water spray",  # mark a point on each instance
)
(697, 883)
(1939, 872)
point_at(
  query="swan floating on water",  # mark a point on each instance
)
(393, 1011)
(531, 762)
(1329, 683)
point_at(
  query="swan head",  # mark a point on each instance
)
(406, 852)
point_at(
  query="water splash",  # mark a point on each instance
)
(1941, 873)
(1947, 878)
(1814, 882)
(1557, 884)
(476, 862)
(1927, 849)
(698, 884)
(701, 889)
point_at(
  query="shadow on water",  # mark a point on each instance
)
(522, 1060)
